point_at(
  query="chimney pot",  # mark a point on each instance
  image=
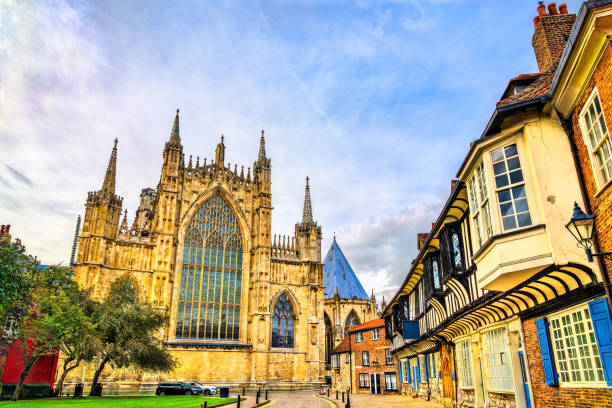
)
(562, 8)
(541, 8)
(1, 229)
(7, 229)
(552, 8)
(536, 22)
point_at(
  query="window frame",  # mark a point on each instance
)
(511, 186)
(390, 377)
(465, 363)
(479, 198)
(599, 182)
(365, 361)
(364, 380)
(347, 359)
(335, 360)
(490, 352)
(376, 333)
(388, 355)
(290, 324)
(358, 337)
(594, 357)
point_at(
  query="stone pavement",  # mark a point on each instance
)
(386, 401)
(307, 399)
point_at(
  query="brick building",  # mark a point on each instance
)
(500, 308)
(364, 356)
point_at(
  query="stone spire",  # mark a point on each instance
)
(175, 135)
(124, 224)
(108, 187)
(307, 215)
(261, 159)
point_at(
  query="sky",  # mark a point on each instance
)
(375, 101)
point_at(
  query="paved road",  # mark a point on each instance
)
(307, 399)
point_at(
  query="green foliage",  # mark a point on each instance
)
(17, 274)
(127, 332)
(30, 390)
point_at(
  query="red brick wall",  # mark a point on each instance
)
(549, 396)
(548, 42)
(376, 349)
(601, 206)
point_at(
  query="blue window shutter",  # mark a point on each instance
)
(418, 370)
(399, 365)
(425, 368)
(602, 325)
(408, 371)
(548, 360)
(433, 364)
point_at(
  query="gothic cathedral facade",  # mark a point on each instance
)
(245, 308)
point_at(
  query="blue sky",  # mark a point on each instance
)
(376, 101)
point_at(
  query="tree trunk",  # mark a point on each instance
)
(65, 371)
(24, 374)
(94, 382)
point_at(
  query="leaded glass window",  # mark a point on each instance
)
(211, 276)
(456, 250)
(575, 346)
(282, 323)
(498, 371)
(436, 273)
(464, 364)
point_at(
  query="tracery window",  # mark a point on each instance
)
(211, 276)
(329, 340)
(282, 323)
(351, 321)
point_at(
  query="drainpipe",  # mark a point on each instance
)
(455, 370)
(569, 131)
(350, 364)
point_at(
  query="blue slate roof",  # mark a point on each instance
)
(338, 275)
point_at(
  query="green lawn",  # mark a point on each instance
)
(179, 401)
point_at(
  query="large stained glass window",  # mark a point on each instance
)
(282, 323)
(211, 276)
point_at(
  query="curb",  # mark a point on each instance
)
(263, 404)
(330, 401)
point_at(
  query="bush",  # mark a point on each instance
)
(30, 390)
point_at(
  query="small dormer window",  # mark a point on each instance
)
(518, 89)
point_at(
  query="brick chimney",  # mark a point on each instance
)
(551, 31)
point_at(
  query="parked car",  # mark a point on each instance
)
(206, 389)
(177, 388)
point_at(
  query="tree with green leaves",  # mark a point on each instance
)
(127, 332)
(54, 317)
(80, 345)
(17, 270)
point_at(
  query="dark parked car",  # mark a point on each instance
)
(177, 388)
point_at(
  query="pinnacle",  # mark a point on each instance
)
(307, 215)
(261, 158)
(108, 187)
(175, 134)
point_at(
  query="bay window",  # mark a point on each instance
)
(479, 204)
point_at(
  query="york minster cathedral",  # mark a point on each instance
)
(246, 308)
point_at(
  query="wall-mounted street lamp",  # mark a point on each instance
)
(581, 226)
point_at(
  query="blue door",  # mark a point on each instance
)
(525, 382)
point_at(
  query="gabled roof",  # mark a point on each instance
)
(338, 276)
(368, 325)
(342, 347)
